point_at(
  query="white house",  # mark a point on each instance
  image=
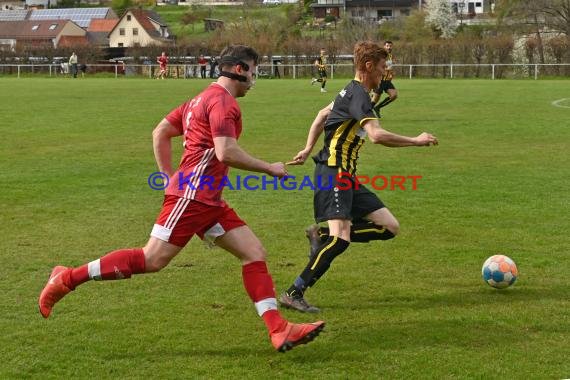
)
(140, 27)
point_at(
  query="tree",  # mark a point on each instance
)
(414, 27)
(557, 15)
(559, 47)
(352, 30)
(551, 14)
(525, 15)
(536, 17)
(441, 17)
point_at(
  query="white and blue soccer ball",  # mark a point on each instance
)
(499, 271)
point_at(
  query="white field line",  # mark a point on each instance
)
(556, 103)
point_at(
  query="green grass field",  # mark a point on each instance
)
(75, 157)
(231, 14)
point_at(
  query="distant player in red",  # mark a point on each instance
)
(202, 62)
(162, 61)
(211, 125)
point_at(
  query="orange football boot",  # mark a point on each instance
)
(54, 290)
(295, 334)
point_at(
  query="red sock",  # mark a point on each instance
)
(116, 265)
(259, 286)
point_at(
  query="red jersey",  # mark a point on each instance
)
(212, 113)
(163, 61)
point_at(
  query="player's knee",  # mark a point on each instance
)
(257, 253)
(394, 96)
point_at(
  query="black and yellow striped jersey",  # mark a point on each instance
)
(389, 69)
(344, 135)
(322, 63)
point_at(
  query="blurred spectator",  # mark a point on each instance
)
(202, 62)
(213, 64)
(73, 63)
(276, 62)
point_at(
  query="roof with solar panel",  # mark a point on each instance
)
(80, 16)
(16, 15)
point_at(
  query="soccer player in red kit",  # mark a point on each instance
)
(162, 61)
(211, 125)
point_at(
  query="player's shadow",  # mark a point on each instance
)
(460, 318)
(423, 334)
(463, 297)
(239, 352)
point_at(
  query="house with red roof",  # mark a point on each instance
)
(139, 27)
(99, 30)
(48, 33)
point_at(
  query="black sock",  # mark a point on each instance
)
(362, 232)
(318, 265)
(324, 83)
(384, 102)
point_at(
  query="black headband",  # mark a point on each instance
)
(234, 61)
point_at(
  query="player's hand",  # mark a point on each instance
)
(300, 158)
(426, 139)
(277, 169)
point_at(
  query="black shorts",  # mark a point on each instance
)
(385, 85)
(322, 74)
(334, 203)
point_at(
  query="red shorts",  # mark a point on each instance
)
(181, 218)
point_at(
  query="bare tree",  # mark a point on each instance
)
(479, 51)
(538, 16)
(557, 15)
(559, 48)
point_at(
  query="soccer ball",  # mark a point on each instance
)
(499, 271)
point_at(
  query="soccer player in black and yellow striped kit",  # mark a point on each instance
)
(355, 214)
(386, 84)
(321, 65)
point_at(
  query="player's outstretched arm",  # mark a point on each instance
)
(314, 133)
(230, 153)
(378, 135)
(162, 146)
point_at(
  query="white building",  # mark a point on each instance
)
(469, 8)
(138, 27)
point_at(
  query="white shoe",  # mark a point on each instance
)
(313, 81)
(323, 90)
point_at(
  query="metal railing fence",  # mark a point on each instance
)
(302, 71)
